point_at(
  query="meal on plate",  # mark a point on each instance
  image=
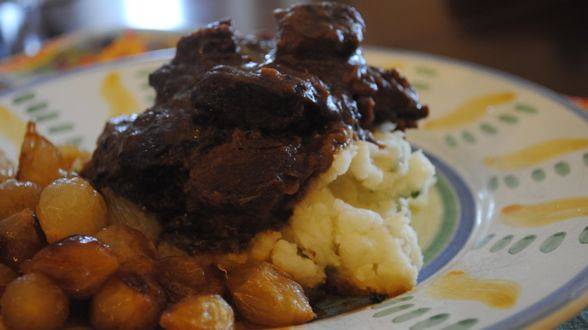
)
(268, 174)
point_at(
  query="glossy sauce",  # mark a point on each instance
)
(241, 125)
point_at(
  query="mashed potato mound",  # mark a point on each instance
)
(355, 219)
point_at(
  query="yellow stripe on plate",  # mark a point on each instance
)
(542, 214)
(470, 111)
(535, 154)
(458, 285)
(11, 126)
(119, 98)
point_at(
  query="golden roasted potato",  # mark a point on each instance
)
(7, 275)
(6, 168)
(199, 312)
(70, 206)
(74, 158)
(127, 301)
(19, 238)
(40, 161)
(266, 296)
(78, 264)
(16, 196)
(126, 242)
(33, 302)
(185, 276)
(124, 212)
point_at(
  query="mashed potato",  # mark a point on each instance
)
(355, 220)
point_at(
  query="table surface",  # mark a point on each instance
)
(545, 41)
(541, 40)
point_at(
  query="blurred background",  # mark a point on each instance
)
(545, 41)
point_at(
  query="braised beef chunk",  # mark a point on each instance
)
(241, 125)
(319, 31)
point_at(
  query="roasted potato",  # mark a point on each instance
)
(19, 238)
(16, 196)
(185, 276)
(126, 242)
(78, 264)
(33, 302)
(264, 295)
(6, 168)
(70, 206)
(74, 158)
(7, 275)
(124, 212)
(40, 161)
(199, 312)
(127, 301)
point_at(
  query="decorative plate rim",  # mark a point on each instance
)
(574, 290)
(558, 306)
(467, 209)
(569, 298)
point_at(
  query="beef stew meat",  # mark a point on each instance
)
(241, 125)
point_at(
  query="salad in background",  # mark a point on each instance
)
(79, 50)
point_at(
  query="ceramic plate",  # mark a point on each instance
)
(505, 236)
